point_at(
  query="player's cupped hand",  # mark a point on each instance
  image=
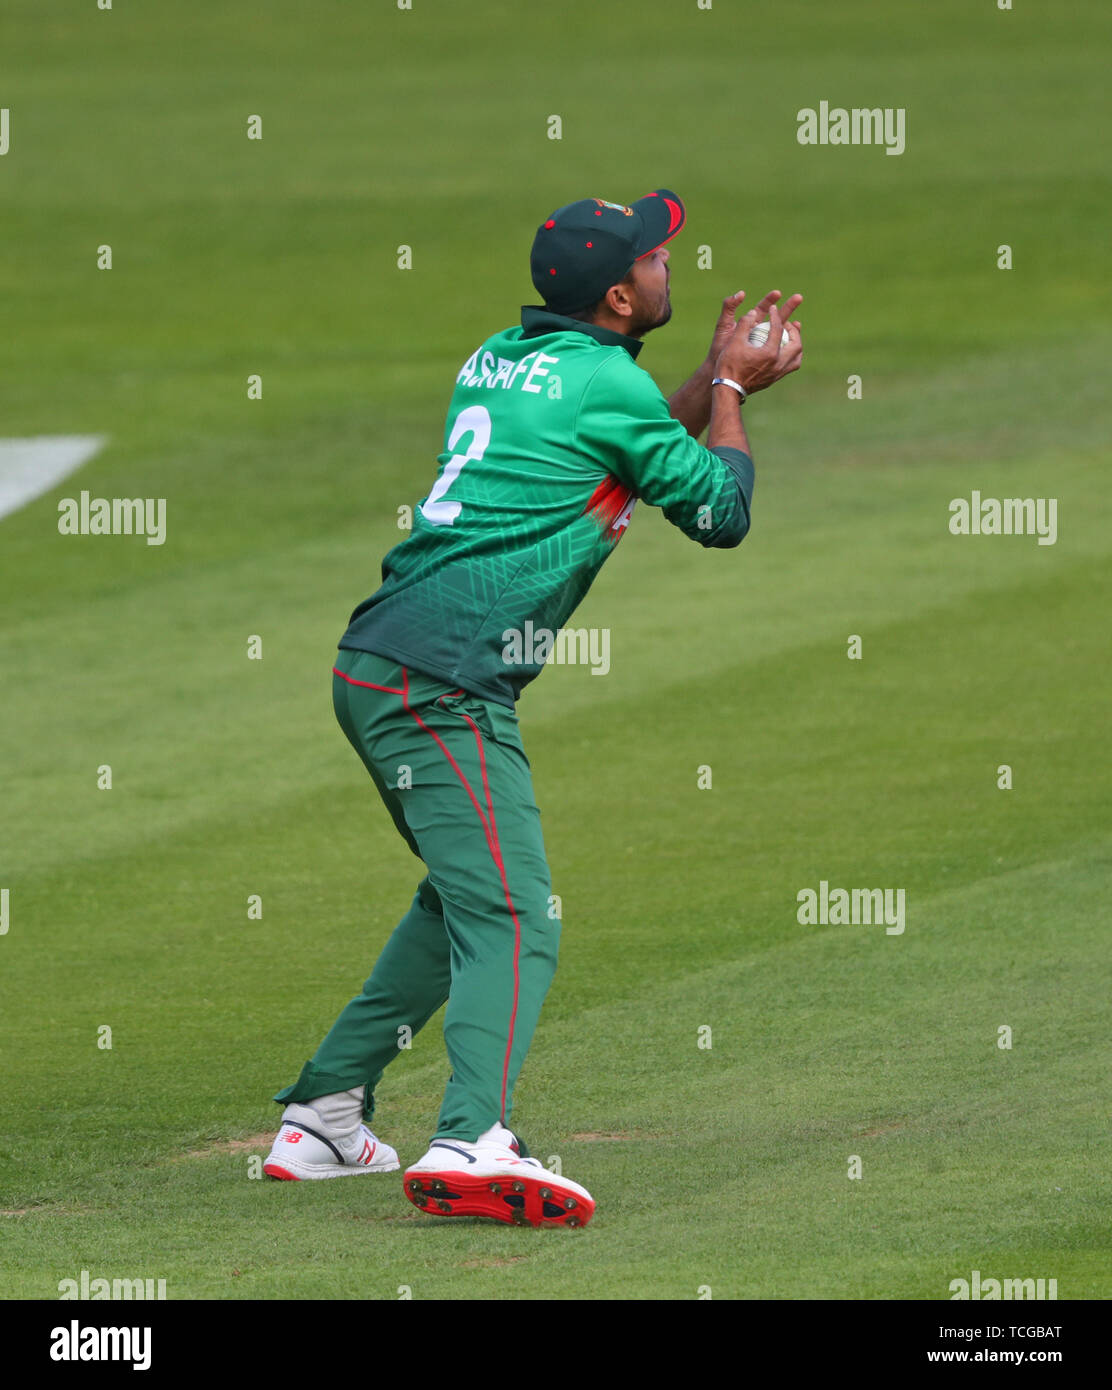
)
(758, 367)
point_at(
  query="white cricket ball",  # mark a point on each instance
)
(758, 335)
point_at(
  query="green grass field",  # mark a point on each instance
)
(723, 1167)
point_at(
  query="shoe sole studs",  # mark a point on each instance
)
(503, 1199)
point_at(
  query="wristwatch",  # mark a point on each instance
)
(737, 386)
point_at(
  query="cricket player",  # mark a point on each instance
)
(553, 434)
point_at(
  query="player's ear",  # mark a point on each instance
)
(619, 298)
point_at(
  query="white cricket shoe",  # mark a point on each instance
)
(490, 1178)
(300, 1153)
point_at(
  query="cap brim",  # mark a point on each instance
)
(662, 216)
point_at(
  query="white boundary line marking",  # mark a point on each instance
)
(30, 467)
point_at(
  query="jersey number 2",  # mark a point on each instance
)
(475, 420)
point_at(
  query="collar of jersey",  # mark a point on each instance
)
(535, 321)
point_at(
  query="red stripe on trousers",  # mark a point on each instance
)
(496, 854)
(490, 830)
(367, 685)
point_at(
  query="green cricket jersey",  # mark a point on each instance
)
(552, 434)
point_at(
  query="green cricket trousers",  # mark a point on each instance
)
(480, 932)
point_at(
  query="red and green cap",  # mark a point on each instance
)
(584, 248)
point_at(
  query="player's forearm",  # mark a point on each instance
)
(690, 403)
(726, 426)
